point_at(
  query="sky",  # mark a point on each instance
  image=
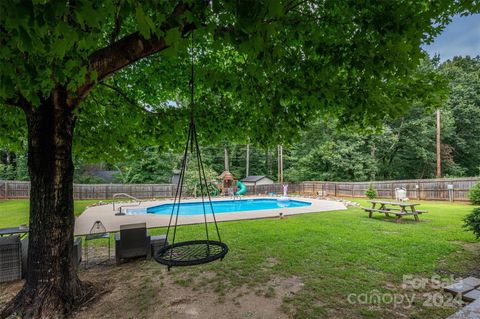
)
(460, 37)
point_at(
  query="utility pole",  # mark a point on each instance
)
(227, 167)
(439, 165)
(372, 153)
(247, 170)
(280, 164)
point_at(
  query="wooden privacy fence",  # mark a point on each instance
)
(428, 189)
(16, 189)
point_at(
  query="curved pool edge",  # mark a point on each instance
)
(112, 222)
(245, 205)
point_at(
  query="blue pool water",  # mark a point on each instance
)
(227, 206)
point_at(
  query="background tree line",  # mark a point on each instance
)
(402, 148)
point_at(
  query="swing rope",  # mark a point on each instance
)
(196, 251)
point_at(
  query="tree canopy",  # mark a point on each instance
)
(402, 148)
(263, 68)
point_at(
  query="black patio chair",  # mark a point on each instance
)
(132, 241)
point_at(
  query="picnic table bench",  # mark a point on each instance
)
(399, 209)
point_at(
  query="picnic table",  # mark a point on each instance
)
(399, 209)
(14, 231)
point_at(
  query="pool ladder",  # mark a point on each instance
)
(119, 210)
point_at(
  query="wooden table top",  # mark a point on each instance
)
(394, 203)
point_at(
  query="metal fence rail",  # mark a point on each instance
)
(427, 189)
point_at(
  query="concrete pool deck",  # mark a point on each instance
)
(106, 215)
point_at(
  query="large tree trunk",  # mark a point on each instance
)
(52, 287)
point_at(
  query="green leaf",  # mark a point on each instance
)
(145, 24)
(173, 37)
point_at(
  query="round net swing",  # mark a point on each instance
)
(192, 252)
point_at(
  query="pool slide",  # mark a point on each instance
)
(242, 188)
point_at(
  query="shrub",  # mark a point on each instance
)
(371, 192)
(191, 185)
(474, 194)
(472, 222)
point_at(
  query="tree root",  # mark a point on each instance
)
(47, 301)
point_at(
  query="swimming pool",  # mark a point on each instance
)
(226, 206)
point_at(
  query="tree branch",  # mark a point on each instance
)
(117, 23)
(116, 29)
(128, 99)
(20, 102)
(126, 51)
(290, 6)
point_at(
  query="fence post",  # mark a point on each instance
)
(6, 189)
(335, 189)
(417, 189)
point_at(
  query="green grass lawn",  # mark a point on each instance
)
(333, 253)
(15, 212)
(340, 253)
